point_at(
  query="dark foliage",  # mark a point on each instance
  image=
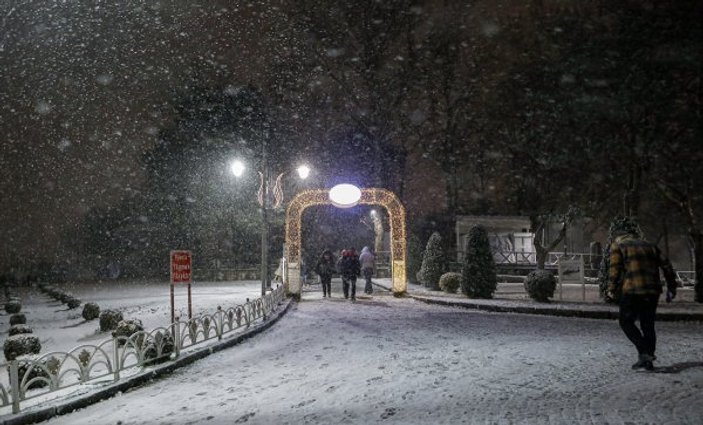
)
(109, 320)
(21, 344)
(540, 285)
(91, 311)
(434, 263)
(18, 319)
(13, 306)
(478, 275)
(20, 329)
(450, 282)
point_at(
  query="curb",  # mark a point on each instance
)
(550, 311)
(561, 312)
(78, 402)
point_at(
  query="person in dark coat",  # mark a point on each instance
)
(634, 272)
(350, 270)
(325, 267)
(339, 266)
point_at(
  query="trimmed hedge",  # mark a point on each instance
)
(450, 282)
(540, 285)
(91, 311)
(21, 344)
(109, 319)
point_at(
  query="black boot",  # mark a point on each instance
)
(644, 362)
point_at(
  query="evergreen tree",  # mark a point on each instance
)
(434, 263)
(478, 276)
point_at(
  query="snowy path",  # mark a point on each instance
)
(388, 360)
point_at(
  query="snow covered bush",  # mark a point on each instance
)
(109, 320)
(91, 311)
(20, 329)
(18, 319)
(449, 282)
(21, 344)
(73, 303)
(478, 274)
(127, 328)
(65, 297)
(434, 262)
(159, 347)
(28, 369)
(14, 305)
(540, 285)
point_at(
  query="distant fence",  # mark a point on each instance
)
(37, 377)
(520, 262)
(231, 273)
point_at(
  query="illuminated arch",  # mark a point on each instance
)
(309, 198)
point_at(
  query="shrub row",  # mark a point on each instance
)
(91, 311)
(478, 275)
(20, 340)
(57, 294)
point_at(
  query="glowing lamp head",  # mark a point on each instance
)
(237, 168)
(303, 171)
(345, 195)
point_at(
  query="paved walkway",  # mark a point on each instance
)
(387, 360)
(511, 297)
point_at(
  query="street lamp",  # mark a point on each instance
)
(267, 199)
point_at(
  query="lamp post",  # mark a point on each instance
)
(264, 196)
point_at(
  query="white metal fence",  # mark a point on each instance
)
(35, 377)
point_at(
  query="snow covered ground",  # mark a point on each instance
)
(61, 329)
(148, 301)
(389, 360)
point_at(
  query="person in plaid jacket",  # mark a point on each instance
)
(634, 272)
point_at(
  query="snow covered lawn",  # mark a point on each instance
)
(390, 360)
(61, 329)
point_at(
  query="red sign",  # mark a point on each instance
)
(181, 267)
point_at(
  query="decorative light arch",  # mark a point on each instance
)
(309, 198)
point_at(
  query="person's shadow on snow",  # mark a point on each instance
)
(677, 367)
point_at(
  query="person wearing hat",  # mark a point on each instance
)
(634, 274)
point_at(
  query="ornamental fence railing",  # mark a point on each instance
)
(44, 376)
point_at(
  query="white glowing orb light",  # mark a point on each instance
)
(237, 168)
(303, 171)
(345, 195)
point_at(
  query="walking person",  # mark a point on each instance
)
(350, 269)
(634, 272)
(325, 267)
(339, 268)
(367, 260)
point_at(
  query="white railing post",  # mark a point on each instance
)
(116, 363)
(15, 386)
(219, 322)
(177, 337)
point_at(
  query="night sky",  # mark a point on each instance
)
(85, 89)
